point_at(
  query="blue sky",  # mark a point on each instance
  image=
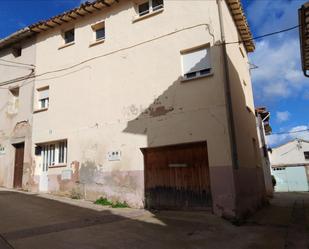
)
(278, 81)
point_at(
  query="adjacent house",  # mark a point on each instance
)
(17, 60)
(290, 166)
(264, 129)
(148, 102)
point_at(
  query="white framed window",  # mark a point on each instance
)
(53, 154)
(69, 36)
(99, 31)
(196, 63)
(43, 98)
(149, 6)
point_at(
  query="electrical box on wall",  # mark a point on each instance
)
(114, 155)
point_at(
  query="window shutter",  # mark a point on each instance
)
(44, 94)
(196, 61)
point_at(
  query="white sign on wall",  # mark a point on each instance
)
(66, 174)
(114, 155)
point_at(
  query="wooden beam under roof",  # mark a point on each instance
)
(85, 9)
(105, 3)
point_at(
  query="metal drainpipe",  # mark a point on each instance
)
(228, 97)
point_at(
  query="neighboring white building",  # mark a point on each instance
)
(290, 166)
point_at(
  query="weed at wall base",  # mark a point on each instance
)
(105, 202)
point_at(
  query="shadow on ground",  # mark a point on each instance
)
(30, 222)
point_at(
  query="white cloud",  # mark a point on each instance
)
(279, 72)
(283, 116)
(277, 139)
(303, 134)
(276, 89)
(270, 15)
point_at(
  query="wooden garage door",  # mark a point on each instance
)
(177, 177)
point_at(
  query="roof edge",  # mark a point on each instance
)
(291, 141)
(16, 37)
(82, 10)
(242, 25)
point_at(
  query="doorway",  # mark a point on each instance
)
(18, 165)
(177, 177)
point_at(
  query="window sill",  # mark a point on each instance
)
(61, 165)
(139, 18)
(66, 45)
(184, 80)
(40, 110)
(97, 42)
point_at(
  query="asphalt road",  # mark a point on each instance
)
(32, 222)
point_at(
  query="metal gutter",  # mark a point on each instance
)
(228, 96)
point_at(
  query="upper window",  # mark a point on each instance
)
(99, 31)
(149, 6)
(43, 98)
(306, 154)
(196, 63)
(69, 36)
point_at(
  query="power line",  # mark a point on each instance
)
(133, 46)
(265, 35)
(15, 66)
(18, 63)
(288, 132)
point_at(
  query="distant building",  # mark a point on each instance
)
(137, 101)
(264, 129)
(290, 165)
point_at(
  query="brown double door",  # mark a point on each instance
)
(19, 165)
(177, 177)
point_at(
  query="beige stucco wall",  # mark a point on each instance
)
(127, 93)
(16, 127)
(249, 178)
(132, 98)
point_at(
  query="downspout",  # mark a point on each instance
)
(228, 96)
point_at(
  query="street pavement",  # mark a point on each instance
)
(30, 221)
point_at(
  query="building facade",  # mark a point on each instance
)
(17, 61)
(290, 166)
(143, 102)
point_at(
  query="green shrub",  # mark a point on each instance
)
(105, 202)
(120, 205)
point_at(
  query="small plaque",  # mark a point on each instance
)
(66, 174)
(114, 155)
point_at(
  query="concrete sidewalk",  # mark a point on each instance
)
(29, 221)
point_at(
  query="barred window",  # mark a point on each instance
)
(54, 154)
